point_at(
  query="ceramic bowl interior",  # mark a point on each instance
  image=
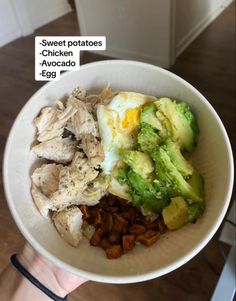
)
(212, 157)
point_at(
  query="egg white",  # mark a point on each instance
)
(114, 136)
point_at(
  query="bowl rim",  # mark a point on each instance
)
(137, 277)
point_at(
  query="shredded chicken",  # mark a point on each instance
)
(69, 223)
(106, 95)
(51, 122)
(94, 191)
(72, 182)
(46, 178)
(75, 180)
(43, 203)
(92, 148)
(82, 122)
(79, 94)
(60, 150)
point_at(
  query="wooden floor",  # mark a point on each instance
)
(208, 64)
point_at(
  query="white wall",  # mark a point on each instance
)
(44, 11)
(193, 16)
(135, 29)
(22, 17)
(9, 25)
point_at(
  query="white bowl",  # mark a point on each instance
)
(213, 158)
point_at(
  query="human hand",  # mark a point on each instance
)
(14, 286)
(55, 278)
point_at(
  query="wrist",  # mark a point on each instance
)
(42, 270)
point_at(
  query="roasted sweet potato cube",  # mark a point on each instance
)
(94, 210)
(124, 203)
(148, 238)
(111, 199)
(114, 251)
(153, 226)
(120, 224)
(114, 238)
(137, 229)
(97, 236)
(86, 214)
(130, 214)
(109, 221)
(104, 243)
(113, 209)
(99, 217)
(128, 242)
(162, 226)
(143, 220)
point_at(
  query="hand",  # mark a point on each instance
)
(47, 273)
(14, 286)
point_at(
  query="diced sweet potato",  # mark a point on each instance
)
(148, 238)
(114, 238)
(120, 224)
(128, 242)
(130, 214)
(143, 220)
(104, 243)
(109, 221)
(97, 236)
(99, 218)
(111, 199)
(84, 209)
(113, 209)
(162, 227)
(114, 251)
(137, 229)
(124, 203)
(153, 226)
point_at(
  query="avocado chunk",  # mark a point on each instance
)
(144, 194)
(166, 125)
(184, 127)
(171, 178)
(176, 214)
(176, 157)
(148, 115)
(195, 210)
(140, 162)
(197, 183)
(121, 174)
(118, 181)
(148, 138)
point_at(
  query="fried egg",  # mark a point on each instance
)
(118, 125)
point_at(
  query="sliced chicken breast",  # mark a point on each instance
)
(69, 223)
(51, 122)
(46, 178)
(82, 122)
(72, 183)
(92, 148)
(94, 191)
(60, 150)
(43, 203)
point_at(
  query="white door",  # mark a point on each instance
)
(9, 25)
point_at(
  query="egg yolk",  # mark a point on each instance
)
(131, 119)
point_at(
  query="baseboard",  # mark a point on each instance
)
(9, 37)
(46, 17)
(184, 43)
(132, 55)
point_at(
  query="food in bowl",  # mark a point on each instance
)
(135, 147)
